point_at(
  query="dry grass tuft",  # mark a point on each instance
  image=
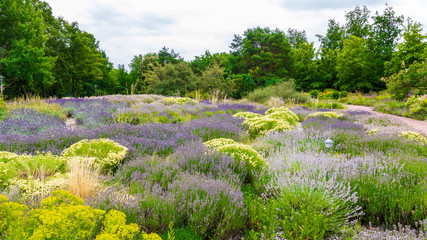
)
(83, 179)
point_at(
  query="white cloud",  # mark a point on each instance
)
(130, 27)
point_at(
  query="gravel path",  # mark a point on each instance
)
(418, 126)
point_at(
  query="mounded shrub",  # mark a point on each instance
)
(106, 154)
(63, 216)
(178, 100)
(219, 142)
(275, 119)
(327, 115)
(411, 135)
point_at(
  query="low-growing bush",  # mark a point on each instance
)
(275, 119)
(327, 115)
(63, 216)
(411, 135)
(285, 90)
(336, 95)
(314, 93)
(105, 153)
(213, 208)
(178, 100)
(343, 94)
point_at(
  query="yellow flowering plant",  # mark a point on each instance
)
(178, 100)
(411, 135)
(105, 153)
(327, 115)
(275, 119)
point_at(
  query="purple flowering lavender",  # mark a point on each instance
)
(233, 108)
(330, 123)
(90, 112)
(195, 158)
(211, 207)
(217, 126)
(27, 121)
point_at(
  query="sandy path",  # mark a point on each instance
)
(418, 126)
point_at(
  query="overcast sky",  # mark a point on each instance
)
(126, 28)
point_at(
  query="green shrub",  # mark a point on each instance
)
(106, 154)
(275, 119)
(115, 227)
(314, 93)
(327, 115)
(414, 136)
(63, 216)
(35, 175)
(306, 213)
(284, 90)
(219, 142)
(393, 195)
(178, 100)
(260, 126)
(336, 95)
(283, 113)
(418, 106)
(343, 94)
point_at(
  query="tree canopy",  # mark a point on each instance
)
(48, 56)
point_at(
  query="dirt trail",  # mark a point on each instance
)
(418, 126)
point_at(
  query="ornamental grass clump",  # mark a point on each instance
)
(106, 154)
(34, 176)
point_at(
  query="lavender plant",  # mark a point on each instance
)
(27, 121)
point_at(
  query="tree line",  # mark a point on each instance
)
(48, 56)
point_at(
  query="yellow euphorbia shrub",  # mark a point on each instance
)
(63, 216)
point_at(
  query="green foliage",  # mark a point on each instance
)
(263, 53)
(411, 135)
(243, 84)
(34, 175)
(336, 95)
(219, 142)
(418, 105)
(392, 195)
(170, 79)
(410, 51)
(244, 153)
(213, 78)
(275, 119)
(63, 216)
(354, 66)
(327, 115)
(285, 90)
(102, 153)
(343, 94)
(262, 216)
(410, 80)
(115, 227)
(283, 113)
(178, 100)
(314, 93)
(309, 213)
